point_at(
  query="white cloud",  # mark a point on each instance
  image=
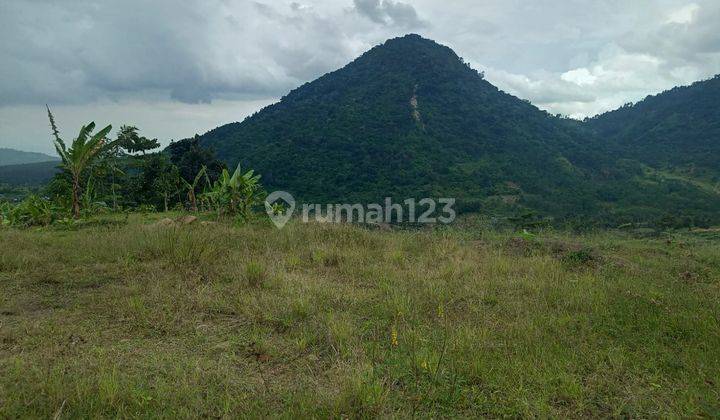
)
(683, 15)
(612, 79)
(637, 60)
(580, 77)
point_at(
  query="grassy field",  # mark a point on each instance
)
(135, 320)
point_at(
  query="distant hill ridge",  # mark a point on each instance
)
(29, 174)
(679, 129)
(17, 157)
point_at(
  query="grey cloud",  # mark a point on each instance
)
(581, 56)
(194, 52)
(388, 12)
(595, 56)
(676, 42)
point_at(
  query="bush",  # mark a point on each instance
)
(584, 257)
(33, 211)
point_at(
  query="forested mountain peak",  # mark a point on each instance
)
(409, 118)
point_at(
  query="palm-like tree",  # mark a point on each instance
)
(191, 188)
(236, 194)
(76, 159)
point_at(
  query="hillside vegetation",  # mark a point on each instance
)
(337, 320)
(678, 129)
(30, 174)
(410, 118)
(20, 168)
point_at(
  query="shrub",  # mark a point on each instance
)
(236, 194)
(33, 211)
(584, 257)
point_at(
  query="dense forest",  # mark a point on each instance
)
(677, 130)
(28, 174)
(410, 118)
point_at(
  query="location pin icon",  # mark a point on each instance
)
(279, 219)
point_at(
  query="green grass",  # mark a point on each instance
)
(115, 320)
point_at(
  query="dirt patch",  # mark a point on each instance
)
(522, 247)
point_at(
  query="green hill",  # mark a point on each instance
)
(677, 130)
(410, 119)
(29, 174)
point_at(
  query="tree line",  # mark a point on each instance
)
(128, 172)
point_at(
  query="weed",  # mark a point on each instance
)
(255, 274)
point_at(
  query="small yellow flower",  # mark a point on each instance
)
(424, 365)
(394, 337)
(440, 311)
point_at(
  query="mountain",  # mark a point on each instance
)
(17, 157)
(29, 174)
(410, 118)
(26, 168)
(677, 130)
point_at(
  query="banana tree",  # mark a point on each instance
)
(236, 194)
(76, 159)
(192, 198)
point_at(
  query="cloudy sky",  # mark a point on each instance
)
(176, 68)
